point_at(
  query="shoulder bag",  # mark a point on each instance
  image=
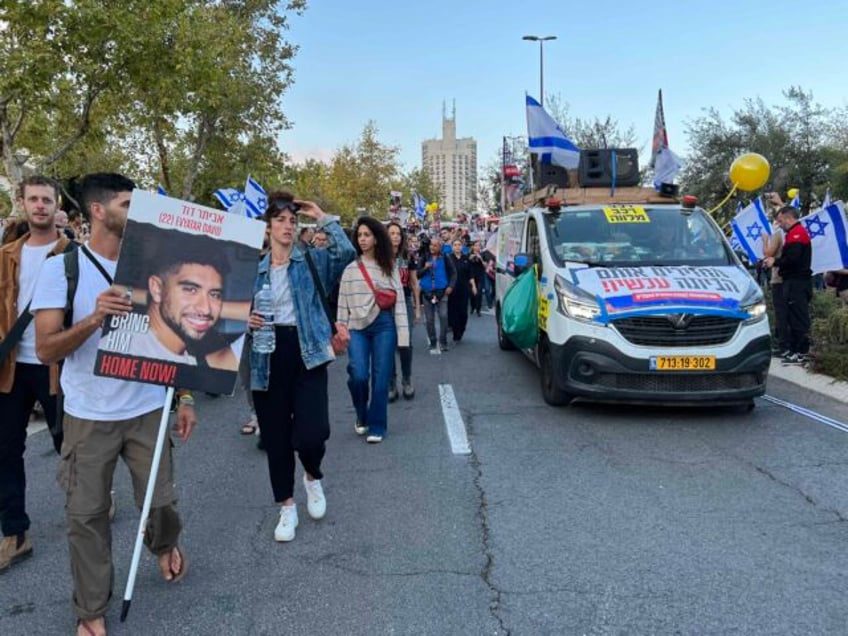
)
(386, 298)
(341, 335)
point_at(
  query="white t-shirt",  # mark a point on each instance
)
(283, 302)
(32, 258)
(88, 396)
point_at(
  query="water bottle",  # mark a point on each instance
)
(264, 339)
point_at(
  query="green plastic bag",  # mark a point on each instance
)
(520, 310)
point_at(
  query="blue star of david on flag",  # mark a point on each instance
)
(754, 232)
(816, 227)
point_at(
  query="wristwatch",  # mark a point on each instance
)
(186, 399)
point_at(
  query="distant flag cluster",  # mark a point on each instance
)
(546, 139)
(748, 227)
(252, 202)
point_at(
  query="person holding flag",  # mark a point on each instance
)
(794, 267)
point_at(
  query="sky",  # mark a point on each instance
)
(396, 61)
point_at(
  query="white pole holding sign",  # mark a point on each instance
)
(148, 499)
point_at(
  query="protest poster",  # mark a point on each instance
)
(190, 271)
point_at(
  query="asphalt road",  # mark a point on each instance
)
(581, 520)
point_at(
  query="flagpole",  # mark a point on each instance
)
(148, 500)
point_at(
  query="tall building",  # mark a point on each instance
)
(452, 166)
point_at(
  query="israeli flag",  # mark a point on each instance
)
(748, 227)
(420, 205)
(796, 201)
(547, 140)
(160, 189)
(255, 199)
(828, 237)
(228, 197)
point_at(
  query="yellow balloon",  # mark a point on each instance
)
(792, 192)
(749, 172)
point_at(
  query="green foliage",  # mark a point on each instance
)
(829, 335)
(180, 91)
(600, 132)
(358, 177)
(803, 142)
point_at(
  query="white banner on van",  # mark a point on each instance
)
(631, 289)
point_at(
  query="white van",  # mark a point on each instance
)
(641, 299)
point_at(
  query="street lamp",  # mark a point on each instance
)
(541, 40)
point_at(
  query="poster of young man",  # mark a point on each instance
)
(189, 271)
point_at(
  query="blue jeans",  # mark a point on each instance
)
(371, 357)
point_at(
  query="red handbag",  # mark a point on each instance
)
(386, 298)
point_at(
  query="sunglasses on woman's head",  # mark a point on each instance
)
(281, 205)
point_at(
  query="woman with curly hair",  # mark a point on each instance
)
(372, 305)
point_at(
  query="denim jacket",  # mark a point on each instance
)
(313, 328)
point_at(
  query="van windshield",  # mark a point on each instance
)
(634, 236)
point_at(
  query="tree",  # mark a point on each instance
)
(796, 137)
(598, 132)
(360, 175)
(59, 59)
(164, 90)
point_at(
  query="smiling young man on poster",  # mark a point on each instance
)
(185, 303)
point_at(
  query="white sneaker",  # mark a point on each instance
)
(360, 428)
(316, 503)
(287, 523)
(374, 439)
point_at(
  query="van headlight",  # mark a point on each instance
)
(574, 302)
(754, 303)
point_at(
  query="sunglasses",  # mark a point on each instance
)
(281, 205)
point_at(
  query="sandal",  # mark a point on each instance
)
(176, 577)
(249, 427)
(87, 626)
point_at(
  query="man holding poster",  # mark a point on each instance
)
(105, 418)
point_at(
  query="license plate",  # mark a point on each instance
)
(682, 363)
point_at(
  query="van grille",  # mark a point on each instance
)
(661, 331)
(678, 382)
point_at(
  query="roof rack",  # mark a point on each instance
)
(589, 196)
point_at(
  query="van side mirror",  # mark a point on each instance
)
(521, 263)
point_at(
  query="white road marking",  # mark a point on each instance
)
(818, 417)
(453, 421)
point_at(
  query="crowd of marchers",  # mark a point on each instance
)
(334, 292)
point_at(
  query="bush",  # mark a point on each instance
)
(829, 335)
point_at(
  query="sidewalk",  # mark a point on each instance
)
(816, 382)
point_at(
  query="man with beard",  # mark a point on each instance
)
(186, 301)
(24, 380)
(105, 418)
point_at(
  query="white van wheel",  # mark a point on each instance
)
(551, 392)
(503, 340)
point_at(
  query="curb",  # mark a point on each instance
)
(822, 384)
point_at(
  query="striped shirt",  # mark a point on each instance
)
(357, 305)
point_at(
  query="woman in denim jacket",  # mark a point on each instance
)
(290, 385)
